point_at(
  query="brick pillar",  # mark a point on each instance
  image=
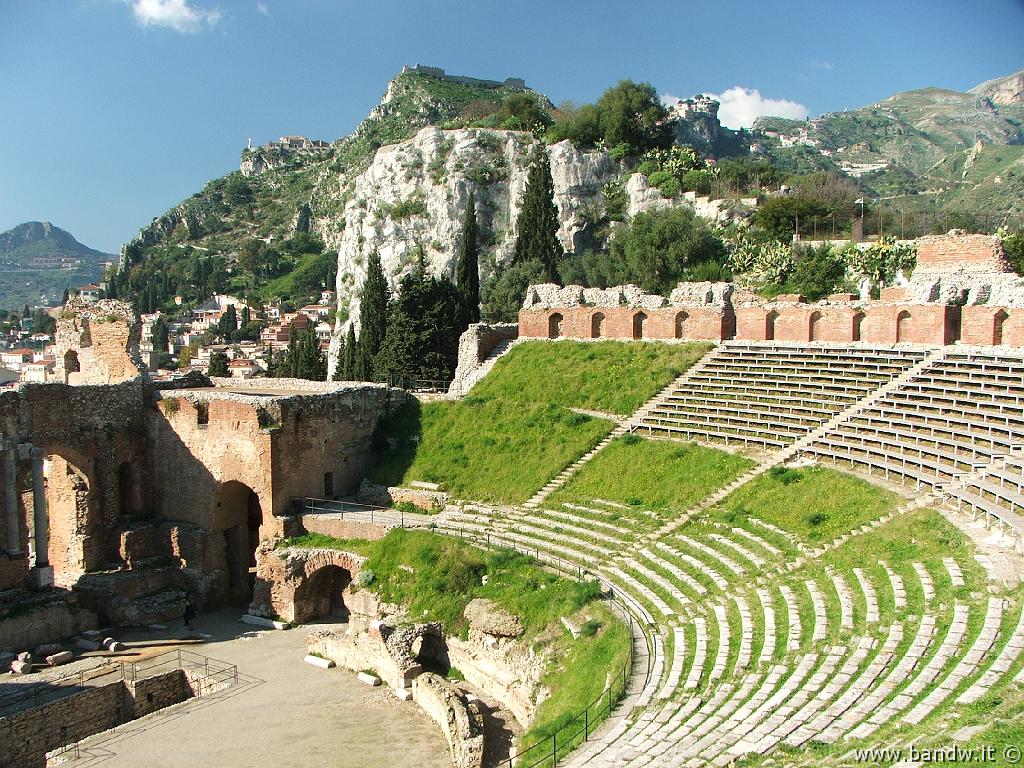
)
(13, 524)
(39, 516)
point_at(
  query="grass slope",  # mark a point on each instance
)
(610, 376)
(659, 475)
(816, 504)
(515, 431)
(484, 449)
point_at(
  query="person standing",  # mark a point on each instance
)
(190, 614)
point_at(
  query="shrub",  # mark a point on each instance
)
(365, 578)
(647, 167)
(170, 405)
(785, 475)
(816, 518)
(590, 628)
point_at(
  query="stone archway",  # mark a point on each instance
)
(321, 594)
(597, 325)
(858, 322)
(234, 538)
(554, 326)
(639, 319)
(769, 325)
(71, 365)
(682, 319)
(814, 331)
(998, 320)
(74, 545)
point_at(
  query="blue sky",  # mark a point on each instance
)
(115, 110)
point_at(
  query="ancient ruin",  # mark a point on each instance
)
(962, 290)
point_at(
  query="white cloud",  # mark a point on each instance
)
(741, 106)
(825, 65)
(262, 9)
(178, 15)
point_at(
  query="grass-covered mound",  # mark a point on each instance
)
(663, 476)
(483, 449)
(610, 376)
(436, 576)
(816, 504)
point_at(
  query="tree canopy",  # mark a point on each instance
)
(538, 223)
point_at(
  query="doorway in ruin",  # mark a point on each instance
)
(73, 512)
(997, 326)
(769, 325)
(858, 322)
(71, 364)
(814, 332)
(903, 326)
(237, 517)
(597, 325)
(554, 326)
(638, 325)
(682, 319)
(321, 595)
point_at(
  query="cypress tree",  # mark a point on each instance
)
(311, 365)
(467, 274)
(339, 366)
(537, 225)
(288, 367)
(373, 317)
(348, 370)
(229, 321)
(218, 365)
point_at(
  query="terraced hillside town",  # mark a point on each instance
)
(820, 543)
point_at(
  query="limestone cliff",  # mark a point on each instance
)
(414, 195)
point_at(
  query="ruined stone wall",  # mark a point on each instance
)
(459, 720)
(326, 441)
(688, 324)
(955, 252)
(97, 343)
(28, 735)
(283, 576)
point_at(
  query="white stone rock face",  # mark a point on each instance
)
(437, 170)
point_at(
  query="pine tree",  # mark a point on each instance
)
(246, 316)
(373, 317)
(467, 274)
(348, 370)
(288, 367)
(537, 225)
(229, 321)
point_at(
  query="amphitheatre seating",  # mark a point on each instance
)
(770, 394)
(957, 427)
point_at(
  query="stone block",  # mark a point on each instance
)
(47, 649)
(19, 667)
(260, 621)
(87, 645)
(62, 657)
(25, 656)
(366, 677)
(108, 641)
(116, 647)
(317, 661)
(404, 694)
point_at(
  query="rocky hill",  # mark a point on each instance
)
(38, 261)
(962, 150)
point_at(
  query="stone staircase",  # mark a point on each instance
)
(497, 351)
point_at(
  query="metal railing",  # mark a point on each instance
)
(213, 671)
(547, 751)
(414, 385)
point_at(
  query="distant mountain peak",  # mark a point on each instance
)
(1003, 90)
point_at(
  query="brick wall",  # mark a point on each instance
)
(688, 323)
(983, 253)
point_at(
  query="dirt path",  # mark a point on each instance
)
(283, 713)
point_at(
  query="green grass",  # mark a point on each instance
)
(815, 504)
(658, 475)
(484, 449)
(610, 376)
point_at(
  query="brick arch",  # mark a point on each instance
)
(597, 325)
(639, 320)
(234, 537)
(770, 321)
(858, 325)
(998, 321)
(815, 329)
(555, 325)
(682, 319)
(303, 584)
(904, 322)
(74, 512)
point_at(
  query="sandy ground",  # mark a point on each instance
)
(283, 712)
